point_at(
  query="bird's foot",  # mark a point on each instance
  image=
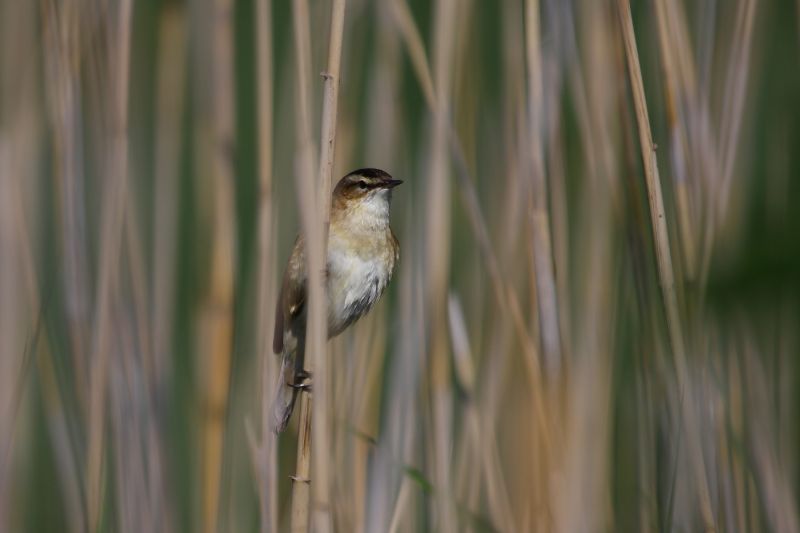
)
(302, 381)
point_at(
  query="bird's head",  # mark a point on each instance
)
(364, 192)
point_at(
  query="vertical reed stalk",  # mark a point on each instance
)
(61, 30)
(111, 238)
(673, 91)
(267, 462)
(318, 333)
(664, 260)
(219, 303)
(540, 216)
(315, 216)
(307, 202)
(437, 258)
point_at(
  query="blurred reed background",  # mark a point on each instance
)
(594, 325)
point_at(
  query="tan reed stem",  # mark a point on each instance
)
(306, 200)
(542, 246)
(219, 304)
(437, 258)
(318, 334)
(680, 144)
(664, 259)
(113, 217)
(266, 461)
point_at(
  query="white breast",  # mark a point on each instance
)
(355, 283)
(360, 259)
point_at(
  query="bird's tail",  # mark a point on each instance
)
(285, 394)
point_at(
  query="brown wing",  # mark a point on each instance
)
(277, 338)
(292, 297)
(395, 249)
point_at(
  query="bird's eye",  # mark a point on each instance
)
(362, 184)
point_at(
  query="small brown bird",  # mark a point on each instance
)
(362, 254)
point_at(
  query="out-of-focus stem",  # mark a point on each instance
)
(169, 104)
(219, 303)
(306, 199)
(664, 259)
(437, 256)
(542, 246)
(680, 145)
(267, 460)
(504, 293)
(317, 333)
(111, 238)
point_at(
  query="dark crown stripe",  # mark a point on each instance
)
(374, 173)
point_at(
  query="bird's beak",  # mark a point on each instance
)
(391, 184)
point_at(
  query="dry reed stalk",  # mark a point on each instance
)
(437, 259)
(307, 196)
(636, 246)
(540, 216)
(111, 237)
(580, 458)
(543, 291)
(317, 327)
(664, 261)
(524, 479)
(218, 312)
(701, 148)
(62, 24)
(267, 460)
(680, 148)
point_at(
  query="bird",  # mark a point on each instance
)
(362, 254)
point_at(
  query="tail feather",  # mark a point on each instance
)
(285, 395)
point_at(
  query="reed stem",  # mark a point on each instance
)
(306, 199)
(266, 456)
(546, 294)
(664, 259)
(113, 217)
